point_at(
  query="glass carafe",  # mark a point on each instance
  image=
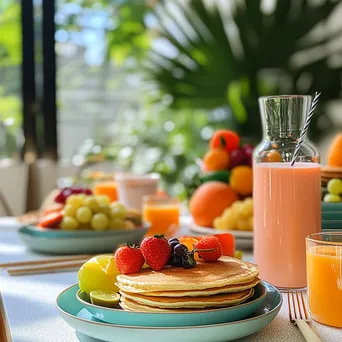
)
(287, 199)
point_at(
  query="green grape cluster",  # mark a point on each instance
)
(334, 191)
(94, 212)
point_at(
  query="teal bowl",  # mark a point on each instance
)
(166, 319)
(60, 233)
(81, 243)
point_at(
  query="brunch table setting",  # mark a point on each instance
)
(256, 255)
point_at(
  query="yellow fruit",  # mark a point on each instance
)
(238, 254)
(103, 200)
(129, 224)
(98, 273)
(75, 201)
(241, 180)
(246, 209)
(91, 202)
(243, 225)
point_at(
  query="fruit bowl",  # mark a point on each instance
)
(60, 233)
(83, 242)
(185, 318)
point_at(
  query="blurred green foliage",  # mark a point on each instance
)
(10, 60)
(211, 58)
(234, 56)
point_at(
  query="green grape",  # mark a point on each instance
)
(119, 211)
(84, 215)
(100, 221)
(117, 224)
(69, 223)
(69, 210)
(332, 198)
(335, 186)
(103, 200)
(75, 201)
(92, 203)
(104, 209)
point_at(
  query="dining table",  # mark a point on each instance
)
(28, 303)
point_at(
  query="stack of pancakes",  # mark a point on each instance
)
(223, 283)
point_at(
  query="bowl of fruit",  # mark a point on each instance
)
(331, 176)
(78, 222)
(223, 201)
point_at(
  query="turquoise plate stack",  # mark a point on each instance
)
(265, 306)
(331, 216)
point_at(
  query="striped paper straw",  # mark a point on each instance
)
(306, 126)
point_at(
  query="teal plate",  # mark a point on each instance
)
(335, 225)
(161, 319)
(332, 216)
(74, 314)
(80, 244)
(328, 206)
(59, 233)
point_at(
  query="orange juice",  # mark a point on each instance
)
(287, 208)
(163, 214)
(324, 272)
(106, 188)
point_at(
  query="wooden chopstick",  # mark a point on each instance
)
(4, 330)
(62, 267)
(46, 261)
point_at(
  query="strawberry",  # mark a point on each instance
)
(209, 242)
(128, 259)
(156, 251)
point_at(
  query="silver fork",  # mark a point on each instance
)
(296, 301)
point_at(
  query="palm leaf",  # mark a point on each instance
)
(210, 68)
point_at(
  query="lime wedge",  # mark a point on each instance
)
(109, 299)
(84, 296)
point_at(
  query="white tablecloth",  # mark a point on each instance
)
(32, 315)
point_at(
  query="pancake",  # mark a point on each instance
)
(221, 300)
(130, 305)
(193, 293)
(226, 271)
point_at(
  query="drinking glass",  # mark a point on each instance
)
(132, 188)
(163, 214)
(324, 277)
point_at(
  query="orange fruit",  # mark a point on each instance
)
(273, 157)
(209, 201)
(216, 159)
(228, 243)
(190, 242)
(226, 139)
(335, 151)
(241, 180)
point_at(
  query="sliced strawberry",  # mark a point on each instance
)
(51, 220)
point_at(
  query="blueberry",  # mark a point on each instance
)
(173, 239)
(175, 260)
(173, 244)
(188, 261)
(181, 250)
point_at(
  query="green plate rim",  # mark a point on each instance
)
(277, 307)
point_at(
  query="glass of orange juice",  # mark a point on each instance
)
(106, 187)
(162, 213)
(324, 277)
